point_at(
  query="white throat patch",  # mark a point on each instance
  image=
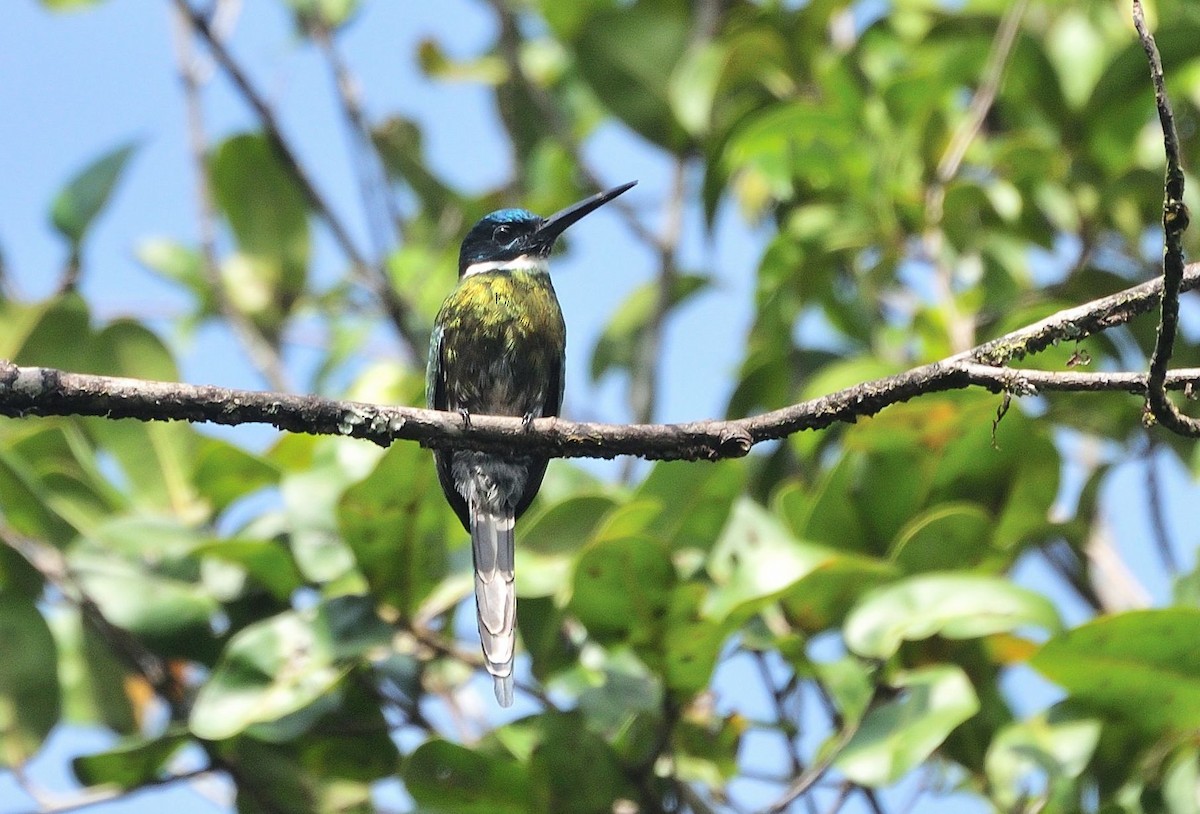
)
(525, 262)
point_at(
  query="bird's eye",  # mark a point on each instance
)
(502, 234)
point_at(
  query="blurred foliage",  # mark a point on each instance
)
(304, 600)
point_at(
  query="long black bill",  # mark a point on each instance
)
(557, 223)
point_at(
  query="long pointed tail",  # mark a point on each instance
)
(495, 596)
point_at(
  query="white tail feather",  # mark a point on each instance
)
(495, 596)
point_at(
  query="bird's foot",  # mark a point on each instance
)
(466, 417)
(527, 421)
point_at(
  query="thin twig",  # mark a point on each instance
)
(374, 278)
(1158, 517)
(815, 772)
(379, 206)
(961, 328)
(1175, 222)
(556, 123)
(643, 385)
(1064, 561)
(46, 391)
(781, 714)
(1115, 586)
(262, 353)
(52, 565)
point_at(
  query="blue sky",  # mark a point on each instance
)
(76, 85)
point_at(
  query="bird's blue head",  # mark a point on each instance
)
(507, 234)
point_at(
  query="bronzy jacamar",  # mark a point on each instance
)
(499, 348)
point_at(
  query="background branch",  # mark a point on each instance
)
(263, 355)
(374, 278)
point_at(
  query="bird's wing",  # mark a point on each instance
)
(551, 407)
(435, 398)
(435, 381)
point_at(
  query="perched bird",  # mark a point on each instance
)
(498, 348)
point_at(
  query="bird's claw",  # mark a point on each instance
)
(527, 421)
(466, 417)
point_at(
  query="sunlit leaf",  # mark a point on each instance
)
(69, 5)
(956, 606)
(897, 735)
(1054, 747)
(757, 561)
(281, 674)
(328, 13)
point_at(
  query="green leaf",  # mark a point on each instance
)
(225, 474)
(78, 204)
(898, 735)
(17, 576)
(626, 55)
(622, 588)
(172, 616)
(541, 623)
(134, 763)
(956, 606)
(573, 770)
(626, 708)
(49, 487)
(957, 533)
(444, 776)
(156, 458)
(1140, 666)
(328, 13)
(824, 515)
(267, 211)
(695, 501)
(848, 682)
(548, 542)
(29, 696)
(33, 334)
(1181, 778)
(180, 264)
(94, 682)
(396, 523)
(69, 5)
(281, 675)
(267, 562)
(310, 499)
(564, 527)
(617, 346)
(757, 561)
(692, 642)
(693, 86)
